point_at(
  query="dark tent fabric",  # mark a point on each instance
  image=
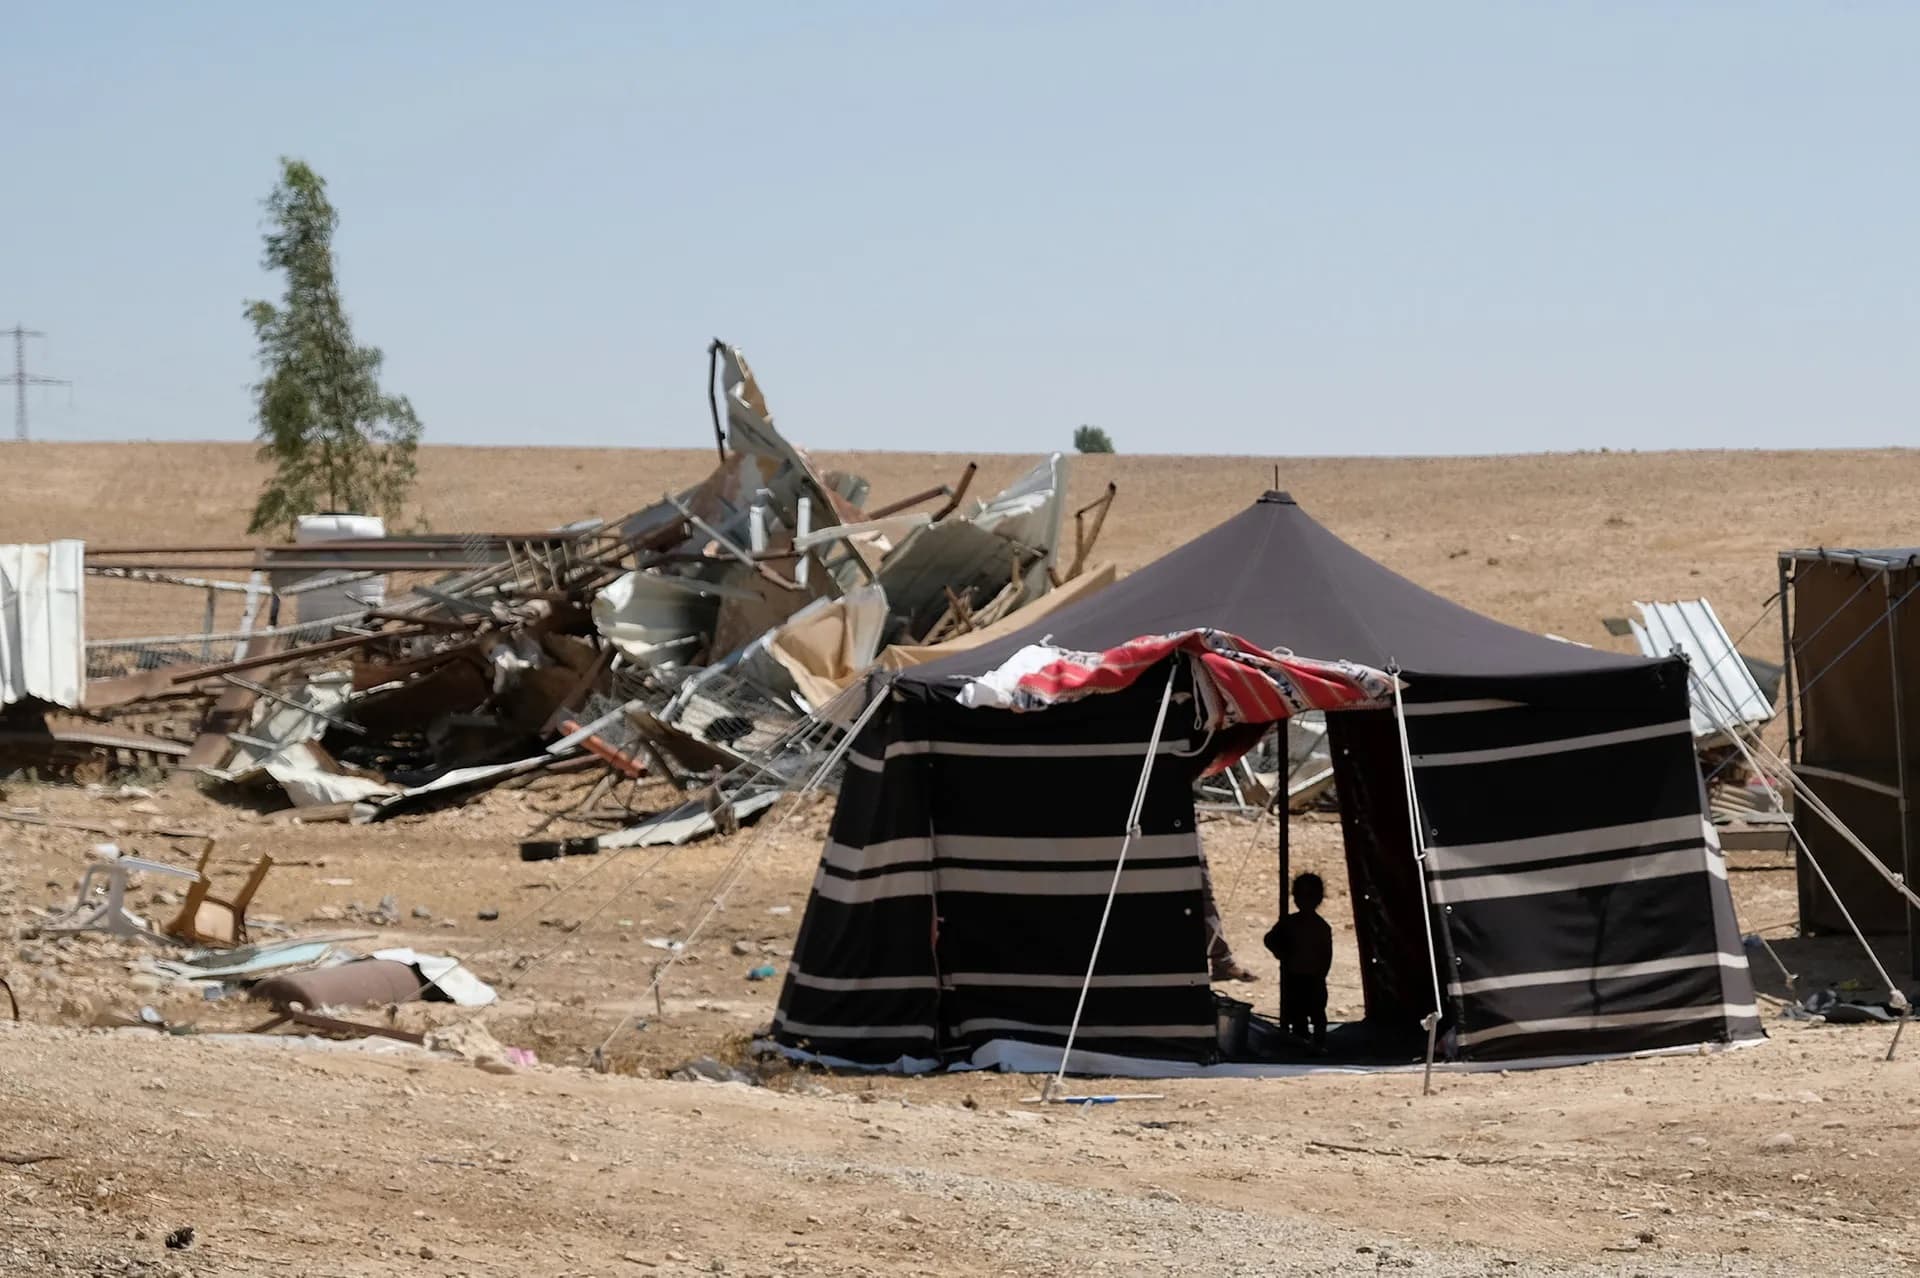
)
(1274, 576)
(1577, 894)
(956, 904)
(1582, 899)
(1854, 698)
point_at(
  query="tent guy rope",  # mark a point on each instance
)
(1896, 997)
(1779, 769)
(1431, 1021)
(1892, 607)
(1119, 865)
(1224, 904)
(730, 874)
(756, 768)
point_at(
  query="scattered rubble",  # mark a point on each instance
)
(705, 1069)
(705, 644)
(646, 681)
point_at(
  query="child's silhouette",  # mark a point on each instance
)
(1304, 945)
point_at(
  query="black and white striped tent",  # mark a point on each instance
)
(1578, 897)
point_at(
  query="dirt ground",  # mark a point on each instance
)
(1797, 1156)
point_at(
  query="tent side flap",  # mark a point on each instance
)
(1579, 887)
(964, 878)
(1396, 977)
(863, 986)
(1855, 642)
(1029, 813)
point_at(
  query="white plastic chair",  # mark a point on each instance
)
(111, 914)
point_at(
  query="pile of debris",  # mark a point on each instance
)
(201, 946)
(705, 641)
(1296, 756)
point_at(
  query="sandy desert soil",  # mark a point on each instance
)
(312, 1161)
(1551, 543)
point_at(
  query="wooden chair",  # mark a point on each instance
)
(209, 920)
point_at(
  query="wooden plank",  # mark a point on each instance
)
(1756, 839)
(229, 714)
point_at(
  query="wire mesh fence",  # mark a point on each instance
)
(112, 658)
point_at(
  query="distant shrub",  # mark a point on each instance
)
(1091, 439)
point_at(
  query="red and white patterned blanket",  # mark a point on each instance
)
(1236, 682)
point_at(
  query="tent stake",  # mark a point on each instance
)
(1432, 1022)
(1898, 1029)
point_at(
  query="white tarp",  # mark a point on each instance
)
(310, 780)
(450, 975)
(42, 623)
(1010, 1056)
(371, 808)
(995, 689)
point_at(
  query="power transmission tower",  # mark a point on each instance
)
(22, 379)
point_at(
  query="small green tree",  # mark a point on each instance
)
(1091, 439)
(337, 442)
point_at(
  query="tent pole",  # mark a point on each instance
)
(1119, 865)
(1900, 764)
(1285, 848)
(1802, 889)
(1786, 662)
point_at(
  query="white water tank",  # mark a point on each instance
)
(349, 596)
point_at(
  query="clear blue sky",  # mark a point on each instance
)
(1261, 228)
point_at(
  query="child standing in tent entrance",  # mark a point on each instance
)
(1304, 945)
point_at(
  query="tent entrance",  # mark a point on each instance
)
(1382, 896)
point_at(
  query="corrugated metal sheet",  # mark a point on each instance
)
(42, 622)
(1030, 511)
(1724, 692)
(954, 553)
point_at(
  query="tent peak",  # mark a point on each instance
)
(1277, 497)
